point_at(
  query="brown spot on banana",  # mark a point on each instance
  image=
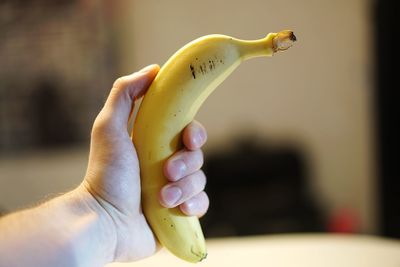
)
(193, 71)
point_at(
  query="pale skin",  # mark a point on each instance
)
(101, 220)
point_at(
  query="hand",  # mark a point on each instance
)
(113, 176)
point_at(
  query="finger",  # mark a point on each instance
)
(125, 91)
(174, 194)
(196, 206)
(194, 135)
(182, 164)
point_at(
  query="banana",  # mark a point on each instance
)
(173, 99)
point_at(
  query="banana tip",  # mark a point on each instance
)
(293, 37)
(204, 256)
(283, 40)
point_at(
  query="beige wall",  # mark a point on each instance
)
(316, 94)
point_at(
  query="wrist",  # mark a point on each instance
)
(98, 227)
(69, 230)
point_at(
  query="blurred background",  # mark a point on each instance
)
(300, 142)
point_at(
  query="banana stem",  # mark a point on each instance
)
(272, 43)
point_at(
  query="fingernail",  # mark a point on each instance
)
(148, 68)
(199, 138)
(171, 195)
(178, 168)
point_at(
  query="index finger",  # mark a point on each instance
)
(194, 135)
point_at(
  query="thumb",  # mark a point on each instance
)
(124, 92)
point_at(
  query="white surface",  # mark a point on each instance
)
(289, 250)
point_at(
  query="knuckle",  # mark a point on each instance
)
(198, 180)
(206, 202)
(193, 183)
(102, 126)
(199, 158)
(203, 199)
(203, 178)
(119, 82)
(193, 159)
(197, 205)
(98, 125)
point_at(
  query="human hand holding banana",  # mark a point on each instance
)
(101, 220)
(170, 193)
(113, 177)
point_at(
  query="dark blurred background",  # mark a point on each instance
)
(302, 142)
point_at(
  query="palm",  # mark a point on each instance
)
(116, 161)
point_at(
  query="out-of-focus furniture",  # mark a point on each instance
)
(304, 250)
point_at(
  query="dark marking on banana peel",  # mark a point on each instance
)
(201, 69)
(205, 66)
(197, 254)
(193, 72)
(211, 64)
